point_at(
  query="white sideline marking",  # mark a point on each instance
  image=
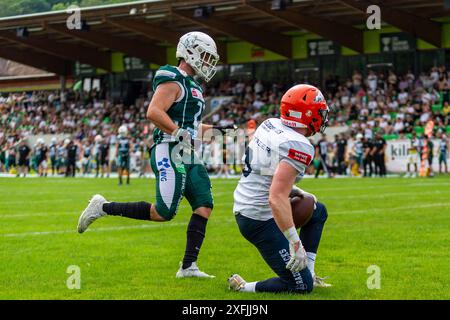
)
(36, 214)
(371, 210)
(387, 195)
(152, 225)
(141, 226)
(384, 186)
(177, 224)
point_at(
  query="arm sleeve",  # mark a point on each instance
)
(298, 154)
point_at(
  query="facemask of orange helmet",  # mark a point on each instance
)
(304, 106)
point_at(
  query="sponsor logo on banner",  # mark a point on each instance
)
(300, 156)
(397, 155)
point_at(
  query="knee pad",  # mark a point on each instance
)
(320, 214)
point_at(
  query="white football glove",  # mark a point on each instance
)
(298, 257)
(296, 250)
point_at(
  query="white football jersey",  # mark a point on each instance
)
(272, 143)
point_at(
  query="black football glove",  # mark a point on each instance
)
(223, 129)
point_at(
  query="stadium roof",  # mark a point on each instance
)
(144, 29)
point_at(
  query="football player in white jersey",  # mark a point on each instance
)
(275, 160)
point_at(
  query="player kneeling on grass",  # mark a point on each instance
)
(176, 109)
(275, 160)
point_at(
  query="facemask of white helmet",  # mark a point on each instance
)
(200, 52)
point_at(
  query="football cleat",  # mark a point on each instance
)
(320, 283)
(192, 272)
(92, 212)
(236, 283)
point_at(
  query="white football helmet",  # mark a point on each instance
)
(98, 138)
(123, 130)
(40, 141)
(200, 52)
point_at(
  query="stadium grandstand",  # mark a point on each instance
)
(390, 84)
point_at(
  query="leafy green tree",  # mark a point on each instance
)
(19, 7)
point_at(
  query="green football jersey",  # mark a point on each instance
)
(187, 111)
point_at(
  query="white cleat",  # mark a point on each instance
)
(192, 272)
(320, 283)
(236, 283)
(92, 212)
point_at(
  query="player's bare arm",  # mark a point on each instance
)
(165, 95)
(283, 180)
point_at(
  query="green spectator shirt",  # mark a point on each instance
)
(187, 110)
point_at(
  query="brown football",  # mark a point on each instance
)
(302, 210)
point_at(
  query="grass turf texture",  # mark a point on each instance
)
(400, 225)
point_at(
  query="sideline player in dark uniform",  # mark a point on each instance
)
(24, 158)
(378, 155)
(367, 157)
(341, 148)
(71, 163)
(123, 154)
(102, 155)
(11, 157)
(322, 147)
(427, 149)
(443, 152)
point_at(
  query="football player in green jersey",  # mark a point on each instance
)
(123, 147)
(176, 109)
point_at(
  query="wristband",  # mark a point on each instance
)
(292, 235)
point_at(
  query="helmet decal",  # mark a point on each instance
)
(319, 97)
(295, 114)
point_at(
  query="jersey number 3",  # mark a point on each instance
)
(248, 158)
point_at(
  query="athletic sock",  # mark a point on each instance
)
(249, 287)
(120, 179)
(134, 210)
(195, 235)
(310, 262)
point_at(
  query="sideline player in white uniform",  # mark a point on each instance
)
(413, 156)
(275, 160)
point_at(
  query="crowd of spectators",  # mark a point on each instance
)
(390, 104)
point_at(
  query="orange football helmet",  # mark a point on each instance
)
(304, 106)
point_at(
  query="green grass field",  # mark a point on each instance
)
(400, 225)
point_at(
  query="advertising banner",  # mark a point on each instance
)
(397, 156)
